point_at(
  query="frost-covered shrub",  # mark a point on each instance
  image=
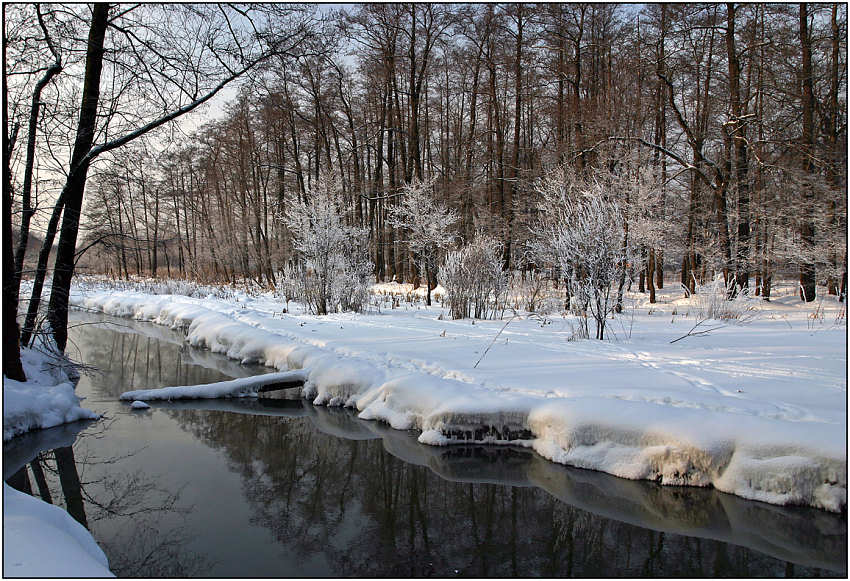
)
(473, 278)
(528, 290)
(583, 237)
(425, 226)
(712, 301)
(333, 269)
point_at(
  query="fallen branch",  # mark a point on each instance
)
(693, 333)
(493, 341)
(242, 387)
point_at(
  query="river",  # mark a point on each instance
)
(277, 487)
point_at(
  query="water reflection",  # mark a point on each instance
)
(278, 487)
(494, 511)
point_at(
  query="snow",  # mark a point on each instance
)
(45, 400)
(139, 405)
(42, 540)
(756, 410)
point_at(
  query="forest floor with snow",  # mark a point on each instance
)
(755, 406)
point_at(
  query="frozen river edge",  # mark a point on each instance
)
(752, 456)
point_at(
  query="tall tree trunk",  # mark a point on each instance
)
(75, 185)
(807, 228)
(72, 489)
(742, 259)
(509, 202)
(27, 210)
(12, 367)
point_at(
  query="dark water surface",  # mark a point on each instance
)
(280, 488)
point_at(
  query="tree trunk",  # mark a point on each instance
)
(69, 479)
(12, 367)
(742, 258)
(27, 210)
(650, 271)
(807, 229)
(76, 182)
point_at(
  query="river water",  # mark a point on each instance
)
(276, 487)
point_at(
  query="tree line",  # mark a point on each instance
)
(719, 131)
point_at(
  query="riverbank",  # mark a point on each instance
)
(756, 409)
(43, 540)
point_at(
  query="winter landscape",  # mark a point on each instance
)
(565, 283)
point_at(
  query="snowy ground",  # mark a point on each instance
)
(45, 400)
(756, 409)
(42, 540)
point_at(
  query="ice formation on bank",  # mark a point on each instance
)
(45, 400)
(658, 414)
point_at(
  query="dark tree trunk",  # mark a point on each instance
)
(41, 271)
(650, 271)
(807, 229)
(742, 258)
(41, 481)
(69, 479)
(12, 367)
(76, 182)
(20, 480)
(27, 210)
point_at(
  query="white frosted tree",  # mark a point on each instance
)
(426, 227)
(474, 279)
(334, 269)
(583, 237)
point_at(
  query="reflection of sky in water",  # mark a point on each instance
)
(287, 489)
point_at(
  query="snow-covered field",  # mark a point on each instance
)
(756, 409)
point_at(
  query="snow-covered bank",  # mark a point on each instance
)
(757, 411)
(45, 400)
(42, 540)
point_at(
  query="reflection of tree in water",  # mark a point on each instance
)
(372, 514)
(121, 508)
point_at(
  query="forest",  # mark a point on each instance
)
(316, 149)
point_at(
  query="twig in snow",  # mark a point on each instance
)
(493, 341)
(692, 332)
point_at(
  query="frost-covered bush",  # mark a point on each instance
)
(169, 286)
(333, 269)
(473, 278)
(425, 226)
(583, 237)
(712, 301)
(528, 290)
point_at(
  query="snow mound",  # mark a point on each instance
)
(45, 400)
(42, 540)
(139, 405)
